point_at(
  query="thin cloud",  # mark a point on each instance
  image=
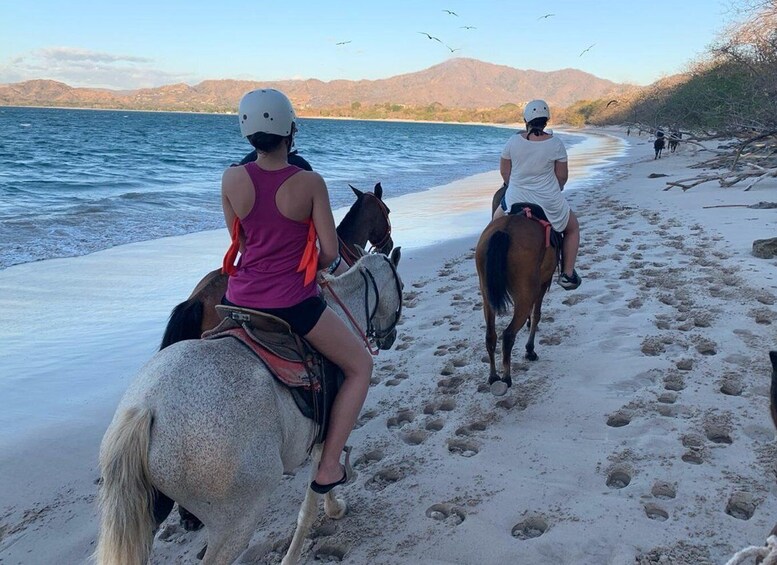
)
(86, 68)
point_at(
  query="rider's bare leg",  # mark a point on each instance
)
(571, 244)
(336, 342)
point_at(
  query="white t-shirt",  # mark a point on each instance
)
(533, 178)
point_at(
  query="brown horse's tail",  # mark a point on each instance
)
(185, 323)
(126, 494)
(773, 395)
(496, 271)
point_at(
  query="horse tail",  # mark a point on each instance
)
(185, 323)
(496, 271)
(126, 495)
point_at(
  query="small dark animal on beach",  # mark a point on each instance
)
(514, 267)
(674, 140)
(658, 145)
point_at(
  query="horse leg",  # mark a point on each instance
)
(229, 536)
(490, 316)
(520, 314)
(534, 323)
(188, 521)
(334, 507)
(308, 513)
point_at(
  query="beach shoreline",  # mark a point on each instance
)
(673, 308)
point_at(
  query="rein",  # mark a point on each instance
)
(370, 334)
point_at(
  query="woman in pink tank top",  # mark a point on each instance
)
(275, 203)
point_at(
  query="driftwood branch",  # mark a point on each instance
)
(727, 179)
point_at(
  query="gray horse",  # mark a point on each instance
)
(208, 426)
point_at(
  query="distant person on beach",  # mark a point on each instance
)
(278, 204)
(534, 168)
(628, 131)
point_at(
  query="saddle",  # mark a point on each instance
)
(534, 212)
(311, 378)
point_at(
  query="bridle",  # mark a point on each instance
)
(345, 251)
(385, 211)
(370, 334)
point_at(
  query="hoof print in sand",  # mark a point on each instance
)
(619, 419)
(663, 490)
(693, 456)
(369, 458)
(470, 429)
(706, 347)
(416, 437)
(674, 382)
(384, 478)
(532, 527)
(731, 386)
(330, 553)
(741, 506)
(619, 478)
(655, 512)
(403, 417)
(463, 447)
(450, 385)
(435, 425)
(447, 513)
(718, 433)
(667, 398)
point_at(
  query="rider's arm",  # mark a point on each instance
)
(505, 168)
(324, 223)
(561, 168)
(227, 189)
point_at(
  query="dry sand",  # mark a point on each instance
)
(641, 435)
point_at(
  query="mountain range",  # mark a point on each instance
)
(456, 83)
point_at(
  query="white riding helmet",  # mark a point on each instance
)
(265, 110)
(536, 109)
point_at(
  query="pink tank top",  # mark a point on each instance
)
(267, 274)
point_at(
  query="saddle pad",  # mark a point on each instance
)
(293, 374)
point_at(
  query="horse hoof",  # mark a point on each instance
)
(336, 511)
(499, 388)
(531, 356)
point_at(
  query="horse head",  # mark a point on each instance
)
(375, 214)
(381, 277)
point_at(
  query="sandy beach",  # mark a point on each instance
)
(641, 435)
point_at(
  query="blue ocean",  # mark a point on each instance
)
(77, 181)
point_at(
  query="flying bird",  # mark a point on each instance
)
(586, 50)
(342, 42)
(611, 102)
(546, 16)
(452, 50)
(468, 27)
(430, 36)
(451, 13)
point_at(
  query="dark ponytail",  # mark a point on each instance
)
(266, 142)
(536, 127)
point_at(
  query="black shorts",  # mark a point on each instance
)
(302, 317)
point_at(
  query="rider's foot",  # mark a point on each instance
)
(570, 283)
(327, 479)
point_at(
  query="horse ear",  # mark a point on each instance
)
(356, 191)
(396, 255)
(378, 190)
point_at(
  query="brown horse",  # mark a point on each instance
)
(514, 266)
(366, 221)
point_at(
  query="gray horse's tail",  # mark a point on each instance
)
(126, 495)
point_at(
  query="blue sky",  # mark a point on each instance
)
(144, 43)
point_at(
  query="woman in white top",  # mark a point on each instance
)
(534, 167)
